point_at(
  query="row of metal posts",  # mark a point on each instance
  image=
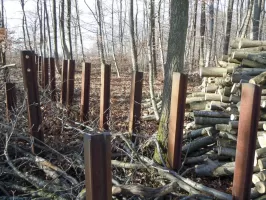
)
(97, 150)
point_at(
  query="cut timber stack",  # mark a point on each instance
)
(210, 140)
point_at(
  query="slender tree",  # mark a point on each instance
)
(256, 20)
(56, 56)
(202, 32)
(132, 37)
(69, 29)
(174, 63)
(210, 39)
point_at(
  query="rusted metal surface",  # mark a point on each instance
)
(64, 83)
(39, 73)
(45, 68)
(52, 78)
(246, 141)
(85, 91)
(98, 180)
(105, 97)
(176, 119)
(31, 88)
(70, 81)
(11, 100)
(135, 102)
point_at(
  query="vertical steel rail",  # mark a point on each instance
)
(98, 180)
(70, 81)
(11, 100)
(52, 79)
(85, 91)
(176, 119)
(64, 83)
(31, 88)
(246, 140)
(135, 103)
(105, 97)
(45, 78)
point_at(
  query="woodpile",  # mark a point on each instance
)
(210, 140)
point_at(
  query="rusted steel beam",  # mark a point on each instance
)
(64, 83)
(52, 79)
(31, 88)
(98, 180)
(105, 97)
(135, 102)
(11, 100)
(176, 119)
(39, 73)
(85, 91)
(45, 78)
(246, 140)
(70, 81)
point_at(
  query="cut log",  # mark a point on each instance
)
(261, 187)
(211, 80)
(212, 97)
(226, 81)
(223, 127)
(225, 91)
(254, 193)
(215, 114)
(260, 153)
(194, 99)
(210, 121)
(223, 151)
(227, 135)
(262, 175)
(214, 107)
(235, 78)
(211, 88)
(200, 152)
(234, 117)
(252, 49)
(246, 43)
(206, 169)
(232, 110)
(255, 178)
(233, 124)
(212, 72)
(249, 71)
(225, 99)
(227, 143)
(253, 64)
(198, 105)
(201, 159)
(234, 98)
(199, 143)
(220, 104)
(259, 80)
(197, 133)
(261, 139)
(198, 94)
(262, 163)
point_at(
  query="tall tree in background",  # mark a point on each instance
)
(100, 31)
(202, 32)
(245, 23)
(56, 56)
(194, 31)
(69, 29)
(174, 63)
(256, 20)
(48, 28)
(210, 39)
(228, 26)
(132, 37)
(62, 30)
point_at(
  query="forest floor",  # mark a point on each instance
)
(63, 134)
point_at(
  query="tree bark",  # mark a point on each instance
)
(228, 26)
(132, 37)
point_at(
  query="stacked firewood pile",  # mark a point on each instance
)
(210, 140)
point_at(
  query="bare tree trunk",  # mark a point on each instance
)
(24, 32)
(62, 27)
(113, 43)
(39, 11)
(160, 31)
(244, 26)
(132, 37)
(211, 14)
(202, 32)
(69, 28)
(48, 29)
(194, 31)
(80, 34)
(262, 19)
(256, 20)
(55, 38)
(228, 26)
(153, 43)
(216, 29)
(100, 30)
(25, 24)
(44, 33)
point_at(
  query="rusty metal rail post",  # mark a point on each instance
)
(64, 83)
(31, 88)
(98, 180)
(135, 102)
(105, 97)
(39, 73)
(52, 79)
(246, 140)
(11, 100)
(45, 78)
(85, 91)
(176, 119)
(70, 81)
